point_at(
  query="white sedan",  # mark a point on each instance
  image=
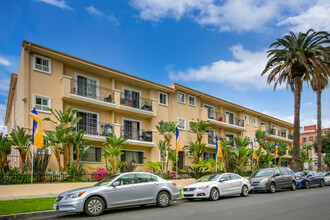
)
(216, 185)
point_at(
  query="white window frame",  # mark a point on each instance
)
(130, 119)
(126, 88)
(166, 95)
(161, 158)
(184, 124)
(247, 119)
(98, 118)
(213, 133)
(184, 95)
(44, 58)
(144, 154)
(189, 128)
(195, 100)
(255, 122)
(95, 146)
(35, 96)
(210, 106)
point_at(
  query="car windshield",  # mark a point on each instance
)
(300, 174)
(107, 180)
(208, 178)
(261, 173)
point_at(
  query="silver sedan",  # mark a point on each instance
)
(126, 189)
(216, 185)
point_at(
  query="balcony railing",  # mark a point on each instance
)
(92, 91)
(272, 131)
(95, 128)
(237, 121)
(138, 135)
(138, 103)
(219, 117)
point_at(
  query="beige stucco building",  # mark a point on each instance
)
(112, 101)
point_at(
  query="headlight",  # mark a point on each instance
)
(202, 187)
(264, 180)
(74, 195)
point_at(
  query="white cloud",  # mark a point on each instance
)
(4, 61)
(228, 15)
(58, 3)
(316, 17)
(97, 13)
(241, 73)
(3, 127)
(309, 103)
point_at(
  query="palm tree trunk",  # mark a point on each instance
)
(296, 124)
(318, 138)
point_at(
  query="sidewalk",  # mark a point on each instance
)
(25, 191)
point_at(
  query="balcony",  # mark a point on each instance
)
(95, 130)
(278, 134)
(216, 118)
(140, 103)
(91, 91)
(137, 136)
(236, 122)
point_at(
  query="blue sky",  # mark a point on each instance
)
(215, 46)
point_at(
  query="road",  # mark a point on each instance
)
(301, 204)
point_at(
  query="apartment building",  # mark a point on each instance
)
(110, 101)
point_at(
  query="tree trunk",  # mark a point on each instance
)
(296, 125)
(318, 138)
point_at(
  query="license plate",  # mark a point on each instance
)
(55, 207)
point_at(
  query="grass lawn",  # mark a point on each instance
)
(26, 205)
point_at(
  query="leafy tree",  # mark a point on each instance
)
(281, 151)
(163, 148)
(226, 152)
(292, 59)
(22, 141)
(156, 166)
(243, 153)
(173, 158)
(113, 149)
(200, 128)
(52, 141)
(5, 149)
(79, 145)
(196, 149)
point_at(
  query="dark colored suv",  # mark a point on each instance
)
(271, 179)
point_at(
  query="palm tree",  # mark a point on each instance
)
(113, 149)
(243, 152)
(5, 149)
(173, 158)
(22, 141)
(53, 142)
(163, 148)
(196, 149)
(226, 151)
(281, 151)
(79, 145)
(200, 128)
(291, 61)
(318, 83)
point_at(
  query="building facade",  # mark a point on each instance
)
(110, 101)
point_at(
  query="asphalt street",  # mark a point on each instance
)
(301, 204)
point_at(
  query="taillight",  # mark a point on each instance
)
(174, 184)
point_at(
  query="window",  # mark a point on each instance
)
(93, 154)
(131, 129)
(42, 103)
(132, 97)
(304, 140)
(230, 117)
(88, 123)
(225, 177)
(162, 98)
(211, 136)
(181, 124)
(210, 111)
(230, 137)
(209, 155)
(126, 179)
(191, 100)
(255, 122)
(255, 142)
(145, 178)
(42, 64)
(136, 156)
(86, 86)
(189, 125)
(234, 177)
(182, 97)
(311, 139)
(246, 118)
(277, 171)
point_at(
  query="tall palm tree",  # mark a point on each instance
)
(292, 59)
(22, 141)
(200, 128)
(318, 83)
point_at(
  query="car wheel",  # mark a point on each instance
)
(307, 185)
(322, 183)
(272, 188)
(293, 186)
(245, 191)
(214, 194)
(163, 199)
(94, 206)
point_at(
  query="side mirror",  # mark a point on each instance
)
(115, 184)
(277, 174)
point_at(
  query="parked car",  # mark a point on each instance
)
(309, 178)
(271, 179)
(326, 176)
(126, 189)
(213, 186)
